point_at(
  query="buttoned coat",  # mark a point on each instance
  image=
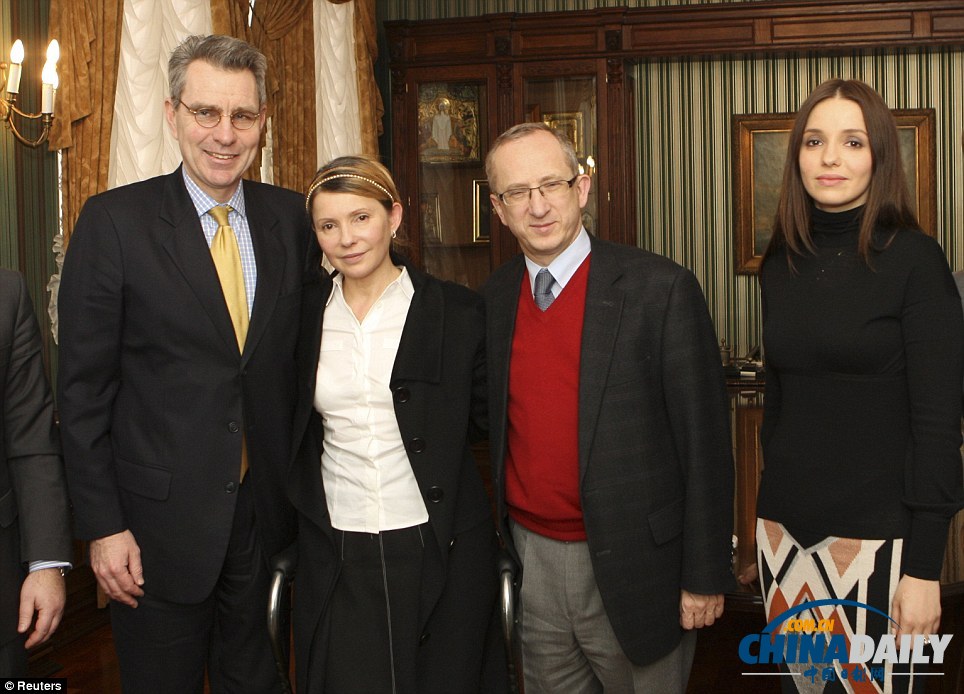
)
(34, 517)
(655, 461)
(154, 393)
(438, 389)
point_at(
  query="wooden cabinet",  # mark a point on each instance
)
(455, 86)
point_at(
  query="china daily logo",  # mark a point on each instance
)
(822, 642)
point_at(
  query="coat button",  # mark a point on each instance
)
(423, 638)
(416, 445)
(230, 487)
(233, 427)
(435, 494)
(451, 544)
(402, 394)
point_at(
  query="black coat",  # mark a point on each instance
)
(34, 518)
(154, 394)
(438, 388)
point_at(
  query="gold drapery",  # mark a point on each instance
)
(370, 106)
(89, 34)
(283, 31)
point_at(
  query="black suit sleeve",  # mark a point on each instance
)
(91, 318)
(698, 409)
(31, 446)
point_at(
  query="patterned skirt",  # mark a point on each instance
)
(865, 571)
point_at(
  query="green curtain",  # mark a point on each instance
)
(28, 177)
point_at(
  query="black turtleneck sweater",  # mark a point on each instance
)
(861, 430)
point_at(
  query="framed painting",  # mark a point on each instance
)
(448, 123)
(571, 125)
(759, 152)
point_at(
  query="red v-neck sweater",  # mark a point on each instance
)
(542, 460)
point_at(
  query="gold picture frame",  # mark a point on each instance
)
(570, 123)
(759, 151)
(448, 112)
(481, 211)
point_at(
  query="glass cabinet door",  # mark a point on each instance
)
(568, 104)
(454, 212)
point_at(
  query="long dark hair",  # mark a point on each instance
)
(888, 207)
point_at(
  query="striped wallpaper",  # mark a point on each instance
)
(685, 195)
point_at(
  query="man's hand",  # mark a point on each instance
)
(696, 610)
(916, 607)
(116, 561)
(43, 592)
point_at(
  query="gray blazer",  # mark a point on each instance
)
(655, 461)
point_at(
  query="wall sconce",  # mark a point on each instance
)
(50, 81)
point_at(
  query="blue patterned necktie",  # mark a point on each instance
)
(542, 295)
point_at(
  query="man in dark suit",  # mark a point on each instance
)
(179, 314)
(34, 517)
(609, 434)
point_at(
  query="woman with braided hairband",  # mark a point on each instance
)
(396, 583)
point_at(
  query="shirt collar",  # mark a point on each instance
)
(204, 202)
(564, 266)
(402, 283)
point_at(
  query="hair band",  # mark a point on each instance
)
(344, 175)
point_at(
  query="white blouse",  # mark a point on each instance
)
(369, 483)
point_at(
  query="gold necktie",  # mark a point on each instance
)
(227, 260)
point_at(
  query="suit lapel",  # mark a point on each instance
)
(184, 241)
(269, 255)
(604, 306)
(419, 356)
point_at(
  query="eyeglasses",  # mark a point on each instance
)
(551, 190)
(210, 117)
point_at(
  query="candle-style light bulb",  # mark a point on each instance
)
(16, 59)
(53, 51)
(50, 81)
(53, 96)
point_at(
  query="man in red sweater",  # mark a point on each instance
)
(610, 437)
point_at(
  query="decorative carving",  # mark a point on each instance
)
(503, 76)
(703, 29)
(398, 80)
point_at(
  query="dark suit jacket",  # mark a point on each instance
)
(655, 461)
(154, 395)
(438, 387)
(34, 518)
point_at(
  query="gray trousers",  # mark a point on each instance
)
(568, 644)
